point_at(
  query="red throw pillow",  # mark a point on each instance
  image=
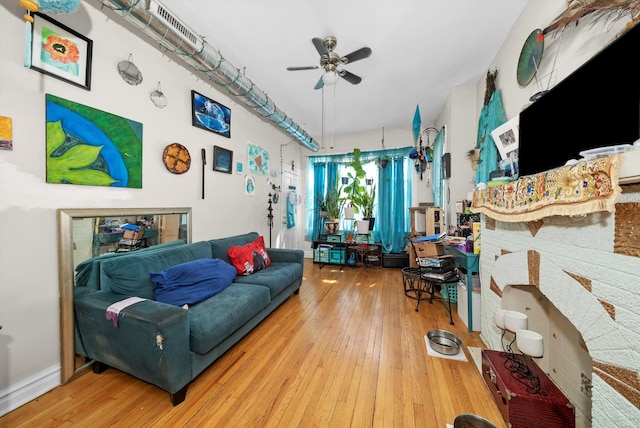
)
(249, 258)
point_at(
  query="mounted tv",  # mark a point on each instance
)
(597, 105)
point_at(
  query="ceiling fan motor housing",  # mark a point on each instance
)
(330, 60)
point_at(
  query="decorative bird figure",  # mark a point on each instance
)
(48, 7)
(578, 9)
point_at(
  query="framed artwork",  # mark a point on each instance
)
(6, 133)
(88, 146)
(258, 159)
(222, 159)
(249, 185)
(210, 115)
(506, 137)
(60, 52)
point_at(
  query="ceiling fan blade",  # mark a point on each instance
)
(361, 53)
(350, 77)
(308, 67)
(320, 84)
(320, 47)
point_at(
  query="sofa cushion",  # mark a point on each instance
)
(277, 277)
(213, 320)
(192, 282)
(219, 246)
(130, 275)
(249, 258)
(88, 271)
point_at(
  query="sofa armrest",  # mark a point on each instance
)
(151, 341)
(282, 255)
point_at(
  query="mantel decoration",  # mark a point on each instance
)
(586, 187)
(530, 56)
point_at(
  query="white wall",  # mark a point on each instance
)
(460, 119)
(29, 339)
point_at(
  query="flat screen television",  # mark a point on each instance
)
(597, 105)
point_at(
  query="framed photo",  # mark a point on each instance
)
(60, 52)
(506, 137)
(222, 160)
(210, 115)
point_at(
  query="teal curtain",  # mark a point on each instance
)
(394, 204)
(315, 188)
(436, 169)
(394, 193)
(492, 115)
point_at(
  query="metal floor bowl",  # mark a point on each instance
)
(444, 342)
(471, 421)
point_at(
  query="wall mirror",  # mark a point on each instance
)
(86, 233)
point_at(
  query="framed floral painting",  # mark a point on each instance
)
(60, 52)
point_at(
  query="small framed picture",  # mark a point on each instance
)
(60, 52)
(506, 137)
(222, 160)
(210, 115)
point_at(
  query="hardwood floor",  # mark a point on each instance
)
(348, 351)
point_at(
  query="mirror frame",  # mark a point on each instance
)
(66, 274)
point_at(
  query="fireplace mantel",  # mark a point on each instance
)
(588, 186)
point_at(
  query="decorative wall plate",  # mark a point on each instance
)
(530, 56)
(129, 72)
(176, 158)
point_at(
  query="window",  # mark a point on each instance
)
(393, 193)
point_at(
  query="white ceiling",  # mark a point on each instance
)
(421, 49)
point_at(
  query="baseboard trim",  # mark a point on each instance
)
(29, 389)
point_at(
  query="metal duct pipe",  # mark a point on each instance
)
(210, 63)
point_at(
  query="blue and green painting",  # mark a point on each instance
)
(91, 147)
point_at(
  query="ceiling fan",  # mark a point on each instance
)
(330, 60)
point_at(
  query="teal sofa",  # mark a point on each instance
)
(167, 345)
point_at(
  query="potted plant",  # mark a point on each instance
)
(383, 161)
(333, 204)
(360, 194)
(354, 189)
(331, 207)
(368, 201)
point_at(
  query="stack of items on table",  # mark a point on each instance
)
(437, 268)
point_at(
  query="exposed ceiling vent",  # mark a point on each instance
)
(193, 51)
(172, 22)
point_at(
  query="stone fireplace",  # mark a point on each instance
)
(578, 280)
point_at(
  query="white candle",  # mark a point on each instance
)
(498, 317)
(530, 343)
(514, 320)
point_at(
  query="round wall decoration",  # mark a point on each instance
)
(530, 56)
(176, 158)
